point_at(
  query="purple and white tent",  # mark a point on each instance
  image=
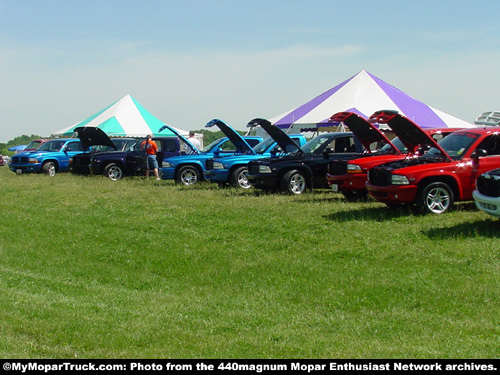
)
(363, 94)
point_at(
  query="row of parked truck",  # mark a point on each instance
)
(427, 168)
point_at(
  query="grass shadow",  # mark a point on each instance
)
(370, 214)
(481, 228)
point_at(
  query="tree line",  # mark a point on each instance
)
(20, 140)
(208, 137)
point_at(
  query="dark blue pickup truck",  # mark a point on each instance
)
(233, 169)
(132, 162)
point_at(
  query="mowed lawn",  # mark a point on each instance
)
(91, 268)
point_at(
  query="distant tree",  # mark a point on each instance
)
(20, 140)
(210, 136)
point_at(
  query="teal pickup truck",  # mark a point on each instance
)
(50, 158)
(233, 170)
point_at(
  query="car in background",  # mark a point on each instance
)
(189, 169)
(446, 173)
(132, 162)
(95, 140)
(2, 161)
(233, 170)
(50, 158)
(487, 193)
(35, 144)
(306, 168)
(349, 176)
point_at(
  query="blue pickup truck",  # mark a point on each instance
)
(50, 158)
(189, 169)
(233, 169)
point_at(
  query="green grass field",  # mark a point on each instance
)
(91, 268)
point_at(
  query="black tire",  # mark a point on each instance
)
(293, 182)
(187, 175)
(114, 171)
(49, 169)
(239, 179)
(435, 198)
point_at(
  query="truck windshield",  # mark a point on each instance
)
(455, 145)
(396, 142)
(263, 146)
(51, 146)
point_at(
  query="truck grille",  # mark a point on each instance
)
(379, 176)
(20, 159)
(253, 169)
(488, 185)
(337, 167)
(209, 164)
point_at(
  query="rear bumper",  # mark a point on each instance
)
(490, 205)
(96, 169)
(217, 175)
(167, 173)
(79, 169)
(393, 194)
(269, 180)
(25, 167)
(347, 182)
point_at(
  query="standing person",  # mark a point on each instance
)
(193, 140)
(151, 163)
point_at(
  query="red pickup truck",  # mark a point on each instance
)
(442, 175)
(349, 177)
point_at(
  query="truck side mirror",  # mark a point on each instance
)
(275, 151)
(423, 149)
(327, 152)
(478, 153)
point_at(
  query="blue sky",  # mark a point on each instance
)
(190, 61)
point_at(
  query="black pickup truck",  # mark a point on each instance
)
(306, 167)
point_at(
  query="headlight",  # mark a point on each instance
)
(218, 165)
(33, 160)
(397, 179)
(353, 168)
(264, 169)
(166, 164)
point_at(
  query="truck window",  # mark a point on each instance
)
(170, 145)
(74, 146)
(491, 144)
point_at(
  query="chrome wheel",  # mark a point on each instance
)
(188, 176)
(239, 178)
(50, 169)
(293, 182)
(114, 172)
(436, 198)
(297, 184)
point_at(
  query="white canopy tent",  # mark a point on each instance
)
(363, 94)
(124, 118)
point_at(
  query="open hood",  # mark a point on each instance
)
(179, 135)
(241, 145)
(91, 136)
(365, 131)
(407, 131)
(279, 136)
